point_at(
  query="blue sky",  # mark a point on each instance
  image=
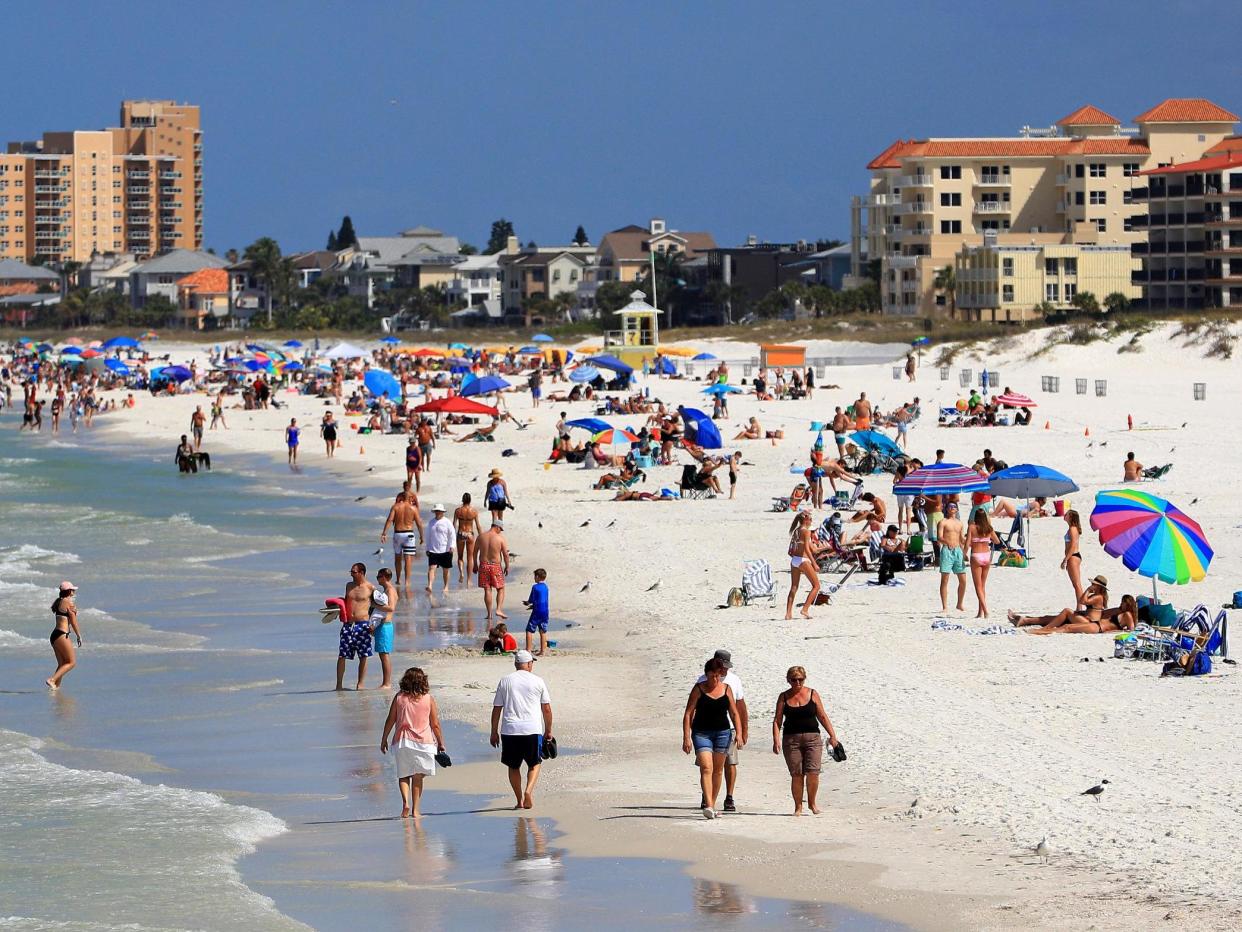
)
(732, 117)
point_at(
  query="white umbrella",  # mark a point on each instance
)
(346, 351)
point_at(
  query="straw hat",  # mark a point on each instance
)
(1101, 581)
(495, 474)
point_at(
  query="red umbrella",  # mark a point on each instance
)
(1015, 400)
(427, 352)
(91, 353)
(455, 404)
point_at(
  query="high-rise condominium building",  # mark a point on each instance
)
(135, 188)
(1071, 183)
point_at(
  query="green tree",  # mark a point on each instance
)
(345, 236)
(822, 300)
(264, 254)
(580, 237)
(157, 312)
(610, 296)
(946, 281)
(1085, 301)
(332, 241)
(1115, 302)
(502, 229)
(874, 270)
(467, 249)
(731, 300)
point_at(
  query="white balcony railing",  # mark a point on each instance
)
(902, 262)
(993, 181)
(916, 181)
(992, 207)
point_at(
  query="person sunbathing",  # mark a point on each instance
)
(752, 431)
(624, 478)
(874, 510)
(480, 433)
(632, 495)
(1085, 618)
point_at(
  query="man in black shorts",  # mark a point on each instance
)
(521, 724)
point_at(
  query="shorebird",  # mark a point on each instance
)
(654, 586)
(1097, 791)
(610, 524)
(359, 498)
(541, 524)
(585, 587)
(1042, 850)
(585, 523)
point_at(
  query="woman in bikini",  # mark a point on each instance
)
(1072, 563)
(65, 618)
(1086, 618)
(980, 536)
(801, 564)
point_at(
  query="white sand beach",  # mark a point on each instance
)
(964, 751)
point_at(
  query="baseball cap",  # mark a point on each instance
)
(724, 657)
(523, 656)
(498, 523)
(66, 584)
(439, 508)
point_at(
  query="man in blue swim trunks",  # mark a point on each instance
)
(355, 633)
(949, 534)
(383, 603)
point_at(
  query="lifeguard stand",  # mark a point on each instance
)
(639, 336)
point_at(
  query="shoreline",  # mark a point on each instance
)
(913, 839)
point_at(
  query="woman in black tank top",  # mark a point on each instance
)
(707, 730)
(795, 731)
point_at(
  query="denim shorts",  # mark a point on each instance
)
(715, 741)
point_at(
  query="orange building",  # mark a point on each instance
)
(135, 188)
(202, 296)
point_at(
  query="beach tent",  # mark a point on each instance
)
(378, 382)
(609, 362)
(120, 343)
(705, 433)
(345, 351)
(593, 424)
(484, 385)
(455, 404)
(876, 442)
(664, 366)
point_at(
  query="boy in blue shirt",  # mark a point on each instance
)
(538, 605)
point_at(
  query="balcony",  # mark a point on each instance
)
(47, 173)
(1222, 250)
(138, 175)
(50, 188)
(1138, 194)
(992, 207)
(885, 200)
(138, 189)
(1218, 193)
(1222, 220)
(169, 176)
(902, 262)
(1139, 249)
(49, 235)
(911, 284)
(140, 205)
(993, 181)
(1155, 220)
(916, 181)
(1225, 278)
(915, 207)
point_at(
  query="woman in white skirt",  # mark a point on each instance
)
(414, 722)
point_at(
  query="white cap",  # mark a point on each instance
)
(523, 656)
(439, 508)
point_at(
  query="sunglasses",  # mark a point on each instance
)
(797, 679)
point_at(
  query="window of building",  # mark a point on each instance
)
(1130, 169)
(1098, 169)
(1099, 197)
(1070, 291)
(573, 275)
(1079, 198)
(991, 225)
(1127, 224)
(1006, 292)
(1007, 267)
(1050, 266)
(116, 229)
(1101, 225)
(950, 172)
(1071, 266)
(950, 226)
(940, 300)
(1127, 197)
(556, 275)
(1080, 170)
(950, 199)
(1051, 292)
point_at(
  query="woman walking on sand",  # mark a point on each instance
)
(65, 620)
(980, 537)
(795, 732)
(1072, 563)
(706, 730)
(327, 430)
(801, 564)
(414, 721)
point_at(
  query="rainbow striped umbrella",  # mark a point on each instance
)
(615, 435)
(942, 479)
(1151, 536)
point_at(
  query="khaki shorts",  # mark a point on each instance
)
(804, 753)
(731, 757)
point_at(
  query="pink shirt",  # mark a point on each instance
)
(414, 718)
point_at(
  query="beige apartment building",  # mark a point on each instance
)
(136, 188)
(1070, 183)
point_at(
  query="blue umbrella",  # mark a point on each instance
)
(665, 366)
(292, 366)
(542, 338)
(705, 356)
(1027, 480)
(378, 382)
(71, 350)
(389, 340)
(256, 347)
(460, 346)
(175, 373)
(117, 366)
(44, 347)
(610, 362)
(531, 350)
(292, 344)
(120, 343)
(593, 424)
(484, 386)
(720, 389)
(705, 433)
(584, 374)
(876, 442)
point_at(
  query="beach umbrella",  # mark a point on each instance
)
(942, 479)
(615, 435)
(425, 352)
(1151, 536)
(115, 365)
(91, 353)
(70, 360)
(176, 373)
(593, 424)
(71, 350)
(704, 356)
(120, 343)
(530, 351)
(378, 382)
(293, 344)
(705, 433)
(484, 385)
(542, 338)
(1015, 400)
(875, 442)
(455, 404)
(292, 366)
(150, 335)
(584, 374)
(44, 347)
(721, 389)
(458, 346)
(664, 366)
(1027, 480)
(74, 341)
(389, 340)
(609, 362)
(346, 351)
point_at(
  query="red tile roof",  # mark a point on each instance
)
(1089, 116)
(1024, 148)
(1228, 144)
(208, 281)
(1187, 110)
(1216, 162)
(890, 157)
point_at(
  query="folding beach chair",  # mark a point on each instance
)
(1157, 472)
(793, 501)
(690, 486)
(757, 584)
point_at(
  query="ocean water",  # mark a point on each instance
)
(197, 771)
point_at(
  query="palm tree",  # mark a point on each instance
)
(264, 253)
(946, 281)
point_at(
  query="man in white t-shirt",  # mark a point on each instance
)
(741, 730)
(440, 537)
(521, 724)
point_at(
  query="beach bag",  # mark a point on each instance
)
(1013, 558)
(1237, 599)
(914, 546)
(736, 598)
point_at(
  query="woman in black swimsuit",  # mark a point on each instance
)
(65, 616)
(1072, 564)
(327, 430)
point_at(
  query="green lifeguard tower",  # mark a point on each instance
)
(639, 336)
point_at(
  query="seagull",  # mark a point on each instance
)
(370, 469)
(1103, 443)
(1194, 501)
(541, 524)
(1091, 444)
(378, 552)
(1184, 423)
(359, 498)
(584, 588)
(1097, 791)
(654, 586)
(475, 479)
(1042, 850)
(610, 524)
(1172, 448)
(585, 523)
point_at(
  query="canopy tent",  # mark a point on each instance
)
(380, 382)
(455, 404)
(120, 343)
(346, 351)
(705, 433)
(664, 366)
